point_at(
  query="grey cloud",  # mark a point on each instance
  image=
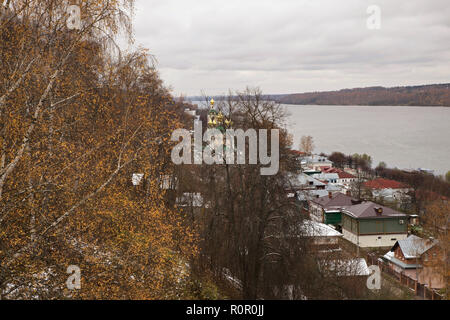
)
(294, 46)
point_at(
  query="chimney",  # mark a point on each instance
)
(379, 211)
(330, 195)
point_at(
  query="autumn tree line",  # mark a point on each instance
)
(77, 119)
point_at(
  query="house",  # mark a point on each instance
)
(189, 199)
(349, 274)
(353, 267)
(310, 172)
(303, 181)
(419, 258)
(371, 225)
(190, 112)
(168, 182)
(327, 177)
(425, 170)
(328, 209)
(306, 188)
(136, 178)
(385, 189)
(315, 162)
(344, 178)
(298, 155)
(321, 236)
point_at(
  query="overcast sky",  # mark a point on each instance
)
(288, 46)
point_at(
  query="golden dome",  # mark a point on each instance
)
(212, 102)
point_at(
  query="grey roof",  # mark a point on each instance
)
(367, 209)
(311, 194)
(303, 180)
(317, 159)
(310, 228)
(337, 200)
(332, 187)
(326, 176)
(413, 246)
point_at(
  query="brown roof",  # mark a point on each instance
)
(368, 209)
(336, 200)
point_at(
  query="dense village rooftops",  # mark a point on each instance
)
(381, 183)
(413, 246)
(337, 200)
(368, 209)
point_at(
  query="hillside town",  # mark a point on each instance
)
(354, 218)
(225, 159)
(374, 233)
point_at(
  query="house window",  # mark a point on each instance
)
(393, 239)
(425, 257)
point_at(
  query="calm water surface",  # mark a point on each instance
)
(403, 137)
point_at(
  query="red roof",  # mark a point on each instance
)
(341, 173)
(327, 169)
(381, 183)
(300, 153)
(345, 175)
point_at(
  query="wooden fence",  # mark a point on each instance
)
(420, 290)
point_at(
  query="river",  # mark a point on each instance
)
(403, 137)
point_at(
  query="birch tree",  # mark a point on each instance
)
(77, 119)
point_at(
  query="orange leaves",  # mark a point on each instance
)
(86, 129)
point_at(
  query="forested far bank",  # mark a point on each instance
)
(424, 95)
